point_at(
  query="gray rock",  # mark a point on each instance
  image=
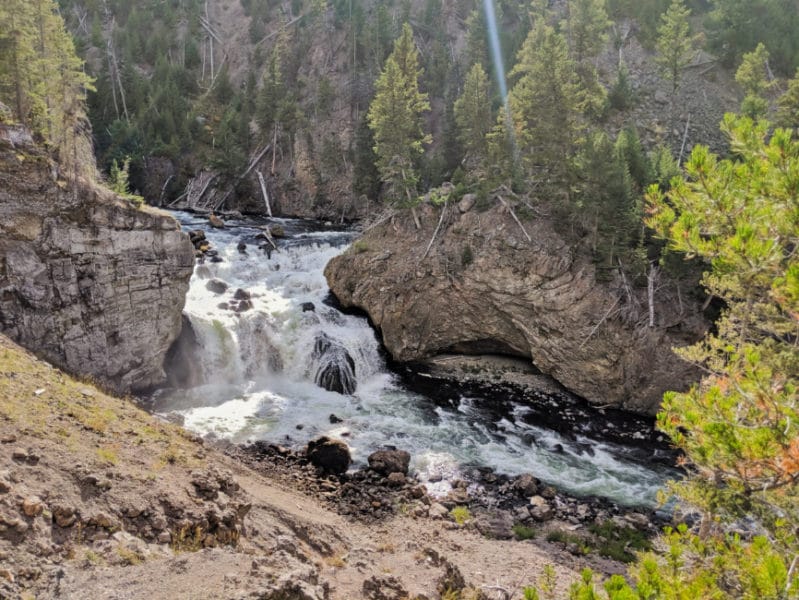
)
(89, 282)
(383, 587)
(217, 286)
(467, 202)
(539, 509)
(498, 525)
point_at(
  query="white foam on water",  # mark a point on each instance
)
(262, 365)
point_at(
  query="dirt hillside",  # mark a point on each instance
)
(98, 499)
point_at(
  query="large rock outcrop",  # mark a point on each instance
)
(87, 281)
(484, 288)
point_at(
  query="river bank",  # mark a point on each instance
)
(100, 500)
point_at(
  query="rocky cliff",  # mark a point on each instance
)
(485, 288)
(87, 280)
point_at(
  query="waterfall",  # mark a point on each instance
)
(276, 362)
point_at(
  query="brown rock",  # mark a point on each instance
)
(539, 509)
(396, 479)
(497, 525)
(526, 485)
(215, 221)
(330, 455)
(64, 516)
(383, 587)
(540, 299)
(389, 461)
(32, 506)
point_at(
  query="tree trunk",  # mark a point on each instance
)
(651, 279)
(264, 192)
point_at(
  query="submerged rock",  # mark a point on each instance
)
(217, 286)
(336, 368)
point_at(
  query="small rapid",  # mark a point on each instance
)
(277, 363)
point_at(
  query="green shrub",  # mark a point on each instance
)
(460, 514)
(466, 256)
(522, 532)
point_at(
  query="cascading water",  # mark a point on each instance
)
(277, 363)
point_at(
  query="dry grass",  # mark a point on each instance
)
(40, 401)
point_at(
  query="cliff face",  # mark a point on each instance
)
(484, 288)
(87, 281)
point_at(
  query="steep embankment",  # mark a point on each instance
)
(484, 288)
(87, 280)
(99, 500)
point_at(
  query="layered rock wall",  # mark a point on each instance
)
(484, 288)
(87, 281)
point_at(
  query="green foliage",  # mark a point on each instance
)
(646, 14)
(753, 78)
(365, 177)
(606, 202)
(788, 105)
(737, 26)
(547, 104)
(622, 96)
(664, 166)
(473, 114)
(564, 537)
(619, 542)
(395, 118)
(675, 44)
(738, 426)
(460, 515)
(586, 28)
(522, 532)
(42, 80)
(118, 181)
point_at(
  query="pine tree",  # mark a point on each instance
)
(395, 118)
(42, 78)
(788, 112)
(675, 44)
(476, 35)
(587, 26)
(473, 114)
(753, 78)
(739, 426)
(547, 104)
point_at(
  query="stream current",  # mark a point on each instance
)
(262, 370)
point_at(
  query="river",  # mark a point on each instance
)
(262, 367)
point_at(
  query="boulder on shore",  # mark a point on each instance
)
(387, 462)
(330, 455)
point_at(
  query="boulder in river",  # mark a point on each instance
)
(217, 286)
(215, 221)
(386, 462)
(336, 368)
(330, 455)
